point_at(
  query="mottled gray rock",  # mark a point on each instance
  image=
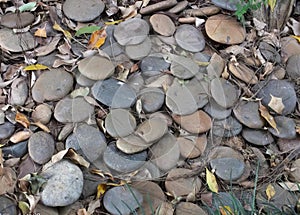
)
(41, 147)
(216, 111)
(231, 5)
(269, 52)
(257, 137)
(73, 110)
(138, 51)
(19, 92)
(122, 200)
(48, 88)
(83, 10)
(286, 127)
(226, 127)
(64, 184)
(152, 99)
(293, 66)
(6, 130)
(17, 20)
(42, 113)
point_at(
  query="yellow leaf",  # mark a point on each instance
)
(22, 119)
(41, 32)
(226, 210)
(211, 181)
(114, 22)
(267, 116)
(276, 104)
(272, 4)
(97, 39)
(67, 34)
(270, 191)
(101, 188)
(35, 67)
(297, 38)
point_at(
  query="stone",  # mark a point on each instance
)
(189, 38)
(120, 123)
(11, 41)
(289, 47)
(228, 168)
(152, 99)
(41, 146)
(148, 171)
(73, 110)
(122, 200)
(162, 24)
(83, 10)
(269, 52)
(96, 67)
(131, 32)
(216, 111)
(281, 89)
(17, 20)
(295, 174)
(114, 93)
(42, 209)
(42, 113)
(286, 145)
(242, 72)
(7, 206)
(293, 66)
(286, 127)
(228, 127)
(47, 88)
(247, 112)
(19, 92)
(231, 5)
(132, 144)
(181, 182)
(166, 152)
(188, 208)
(216, 66)
(153, 64)
(183, 67)
(62, 189)
(180, 6)
(17, 150)
(82, 80)
(139, 51)
(199, 89)
(198, 122)
(257, 137)
(121, 162)
(6, 130)
(224, 151)
(192, 146)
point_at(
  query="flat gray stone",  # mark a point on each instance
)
(41, 146)
(162, 24)
(17, 150)
(7, 206)
(19, 92)
(132, 144)
(257, 137)
(6, 130)
(96, 67)
(153, 65)
(139, 51)
(111, 47)
(228, 168)
(231, 5)
(189, 38)
(131, 32)
(11, 41)
(216, 111)
(183, 67)
(83, 10)
(114, 93)
(152, 99)
(64, 184)
(122, 162)
(122, 200)
(17, 20)
(73, 110)
(226, 127)
(48, 88)
(293, 66)
(286, 127)
(83, 81)
(199, 89)
(42, 113)
(269, 52)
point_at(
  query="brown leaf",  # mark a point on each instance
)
(20, 136)
(8, 180)
(22, 119)
(276, 104)
(41, 126)
(97, 39)
(93, 205)
(267, 116)
(41, 32)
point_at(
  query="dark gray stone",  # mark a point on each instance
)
(17, 150)
(17, 20)
(19, 92)
(226, 127)
(286, 127)
(257, 137)
(293, 66)
(6, 130)
(231, 5)
(152, 99)
(7, 206)
(216, 111)
(153, 65)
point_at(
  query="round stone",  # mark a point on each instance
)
(192, 146)
(153, 65)
(293, 66)
(216, 111)
(257, 137)
(47, 88)
(41, 146)
(152, 99)
(64, 184)
(231, 5)
(7, 206)
(11, 41)
(73, 110)
(120, 123)
(19, 92)
(132, 144)
(188, 208)
(162, 25)
(166, 152)
(198, 122)
(42, 113)
(122, 162)
(189, 38)
(83, 10)
(286, 128)
(17, 150)
(228, 168)
(183, 67)
(280, 89)
(181, 182)
(6, 130)
(247, 113)
(295, 174)
(114, 93)
(122, 200)
(199, 89)
(82, 80)
(269, 52)
(96, 67)
(226, 127)
(131, 32)
(138, 51)
(17, 20)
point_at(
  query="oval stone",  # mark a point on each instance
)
(257, 137)
(226, 127)
(17, 20)
(162, 24)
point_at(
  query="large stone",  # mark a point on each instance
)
(17, 20)
(19, 92)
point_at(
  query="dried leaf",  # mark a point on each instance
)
(114, 22)
(226, 210)
(24, 207)
(270, 191)
(27, 7)
(22, 119)
(8, 180)
(20, 136)
(35, 67)
(41, 126)
(276, 104)
(290, 186)
(97, 39)
(93, 205)
(87, 30)
(211, 181)
(41, 32)
(272, 4)
(67, 34)
(297, 38)
(50, 47)
(298, 129)
(101, 188)
(267, 116)
(82, 211)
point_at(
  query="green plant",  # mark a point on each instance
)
(248, 5)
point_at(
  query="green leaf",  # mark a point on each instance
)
(24, 207)
(27, 7)
(87, 30)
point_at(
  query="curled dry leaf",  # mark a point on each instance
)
(268, 117)
(41, 32)
(35, 67)
(20, 136)
(290, 186)
(101, 188)
(270, 191)
(211, 181)
(97, 39)
(41, 126)
(66, 33)
(22, 119)
(276, 104)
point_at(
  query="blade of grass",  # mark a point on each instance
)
(139, 204)
(253, 210)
